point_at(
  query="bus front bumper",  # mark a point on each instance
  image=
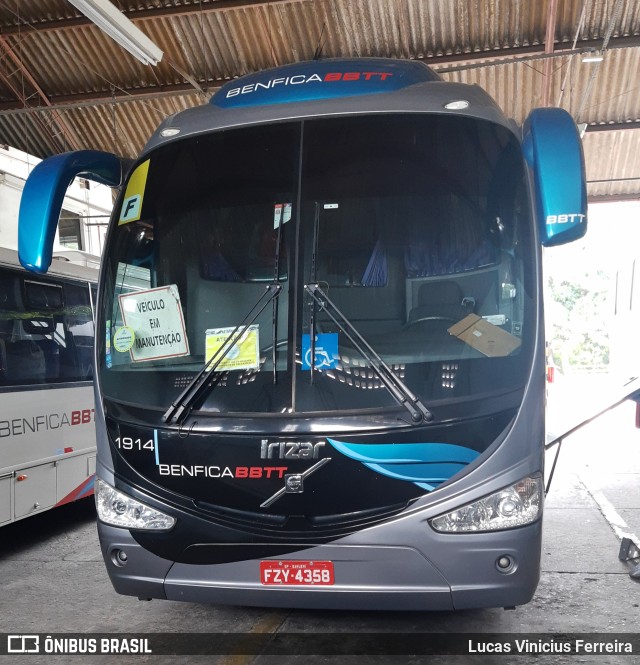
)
(438, 572)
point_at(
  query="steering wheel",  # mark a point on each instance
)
(422, 319)
(279, 343)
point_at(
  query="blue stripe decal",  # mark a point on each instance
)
(425, 464)
(155, 446)
(322, 79)
(88, 488)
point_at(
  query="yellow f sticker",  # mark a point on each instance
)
(132, 204)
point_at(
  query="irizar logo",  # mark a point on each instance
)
(569, 218)
(290, 449)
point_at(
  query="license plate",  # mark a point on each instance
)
(296, 573)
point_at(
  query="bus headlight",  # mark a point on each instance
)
(121, 510)
(516, 505)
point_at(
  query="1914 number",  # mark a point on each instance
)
(129, 443)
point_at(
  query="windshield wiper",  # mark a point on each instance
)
(314, 278)
(398, 389)
(274, 312)
(205, 379)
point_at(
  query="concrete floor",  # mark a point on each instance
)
(53, 578)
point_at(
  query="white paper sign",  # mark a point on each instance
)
(155, 316)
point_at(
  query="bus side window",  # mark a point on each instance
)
(77, 328)
(3, 363)
(25, 362)
(41, 332)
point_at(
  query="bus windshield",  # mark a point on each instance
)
(415, 227)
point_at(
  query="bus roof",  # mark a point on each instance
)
(322, 79)
(329, 87)
(64, 264)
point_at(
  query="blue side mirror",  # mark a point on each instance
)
(553, 150)
(44, 193)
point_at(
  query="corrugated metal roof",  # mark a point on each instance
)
(90, 93)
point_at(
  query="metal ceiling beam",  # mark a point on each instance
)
(105, 98)
(469, 60)
(613, 126)
(548, 49)
(68, 132)
(614, 198)
(147, 14)
(40, 120)
(228, 5)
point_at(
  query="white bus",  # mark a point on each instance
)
(47, 430)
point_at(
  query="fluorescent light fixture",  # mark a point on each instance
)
(115, 24)
(593, 56)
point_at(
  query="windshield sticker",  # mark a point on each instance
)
(281, 214)
(107, 346)
(155, 318)
(326, 351)
(132, 204)
(243, 354)
(123, 339)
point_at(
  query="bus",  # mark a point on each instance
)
(320, 349)
(47, 428)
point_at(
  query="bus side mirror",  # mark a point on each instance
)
(553, 150)
(44, 193)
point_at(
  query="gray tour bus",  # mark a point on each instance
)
(320, 343)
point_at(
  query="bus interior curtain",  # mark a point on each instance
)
(455, 243)
(377, 271)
